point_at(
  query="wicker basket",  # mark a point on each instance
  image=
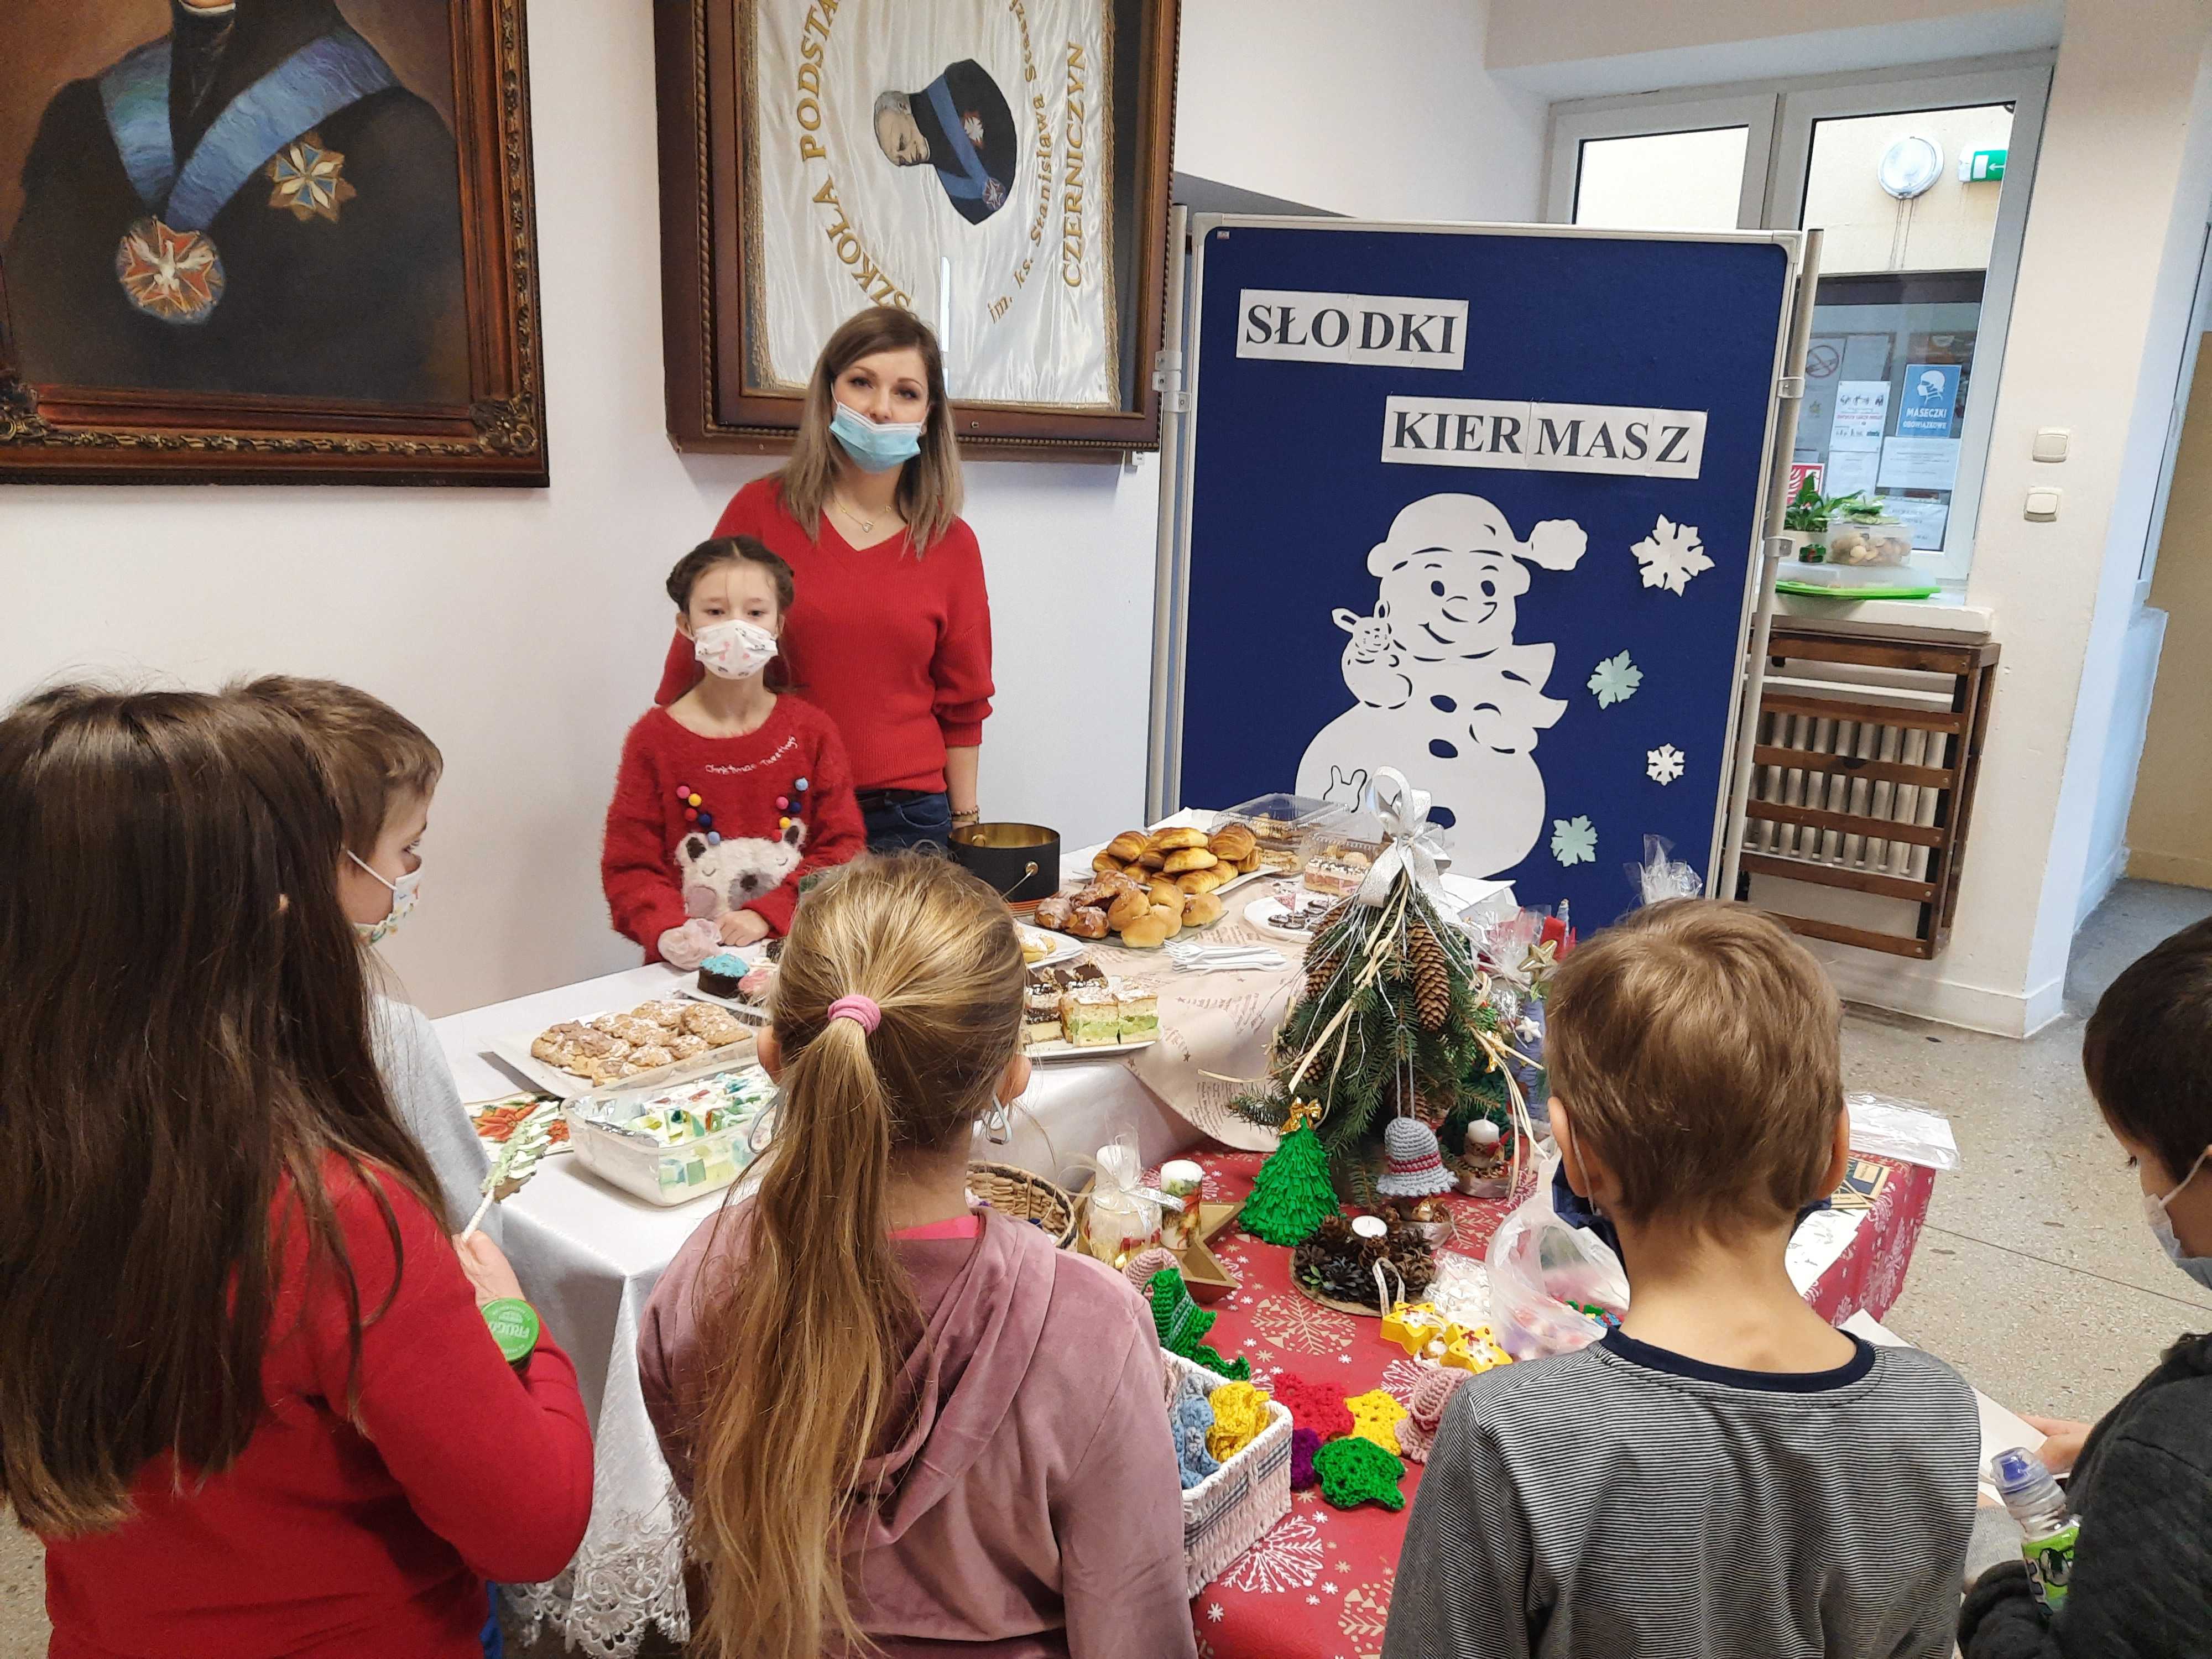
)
(1232, 1509)
(1017, 1193)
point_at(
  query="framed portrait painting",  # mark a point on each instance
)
(999, 167)
(267, 241)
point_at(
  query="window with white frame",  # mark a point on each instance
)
(1919, 183)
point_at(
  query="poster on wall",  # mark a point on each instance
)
(1479, 506)
(281, 239)
(996, 166)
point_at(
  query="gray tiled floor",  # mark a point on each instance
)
(2035, 1277)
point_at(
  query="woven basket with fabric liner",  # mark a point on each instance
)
(1018, 1193)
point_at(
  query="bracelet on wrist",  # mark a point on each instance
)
(973, 815)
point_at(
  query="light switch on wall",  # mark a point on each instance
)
(2042, 504)
(2051, 443)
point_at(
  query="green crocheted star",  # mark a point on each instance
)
(1354, 1471)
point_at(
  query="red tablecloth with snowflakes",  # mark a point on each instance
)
(1318, 1585)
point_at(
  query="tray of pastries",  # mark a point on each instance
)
(1147, 886)
(1078, 1012)
(652, 1045)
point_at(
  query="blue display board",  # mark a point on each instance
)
(1480, 506)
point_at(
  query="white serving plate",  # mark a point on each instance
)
(1267, 911)
(514, 1053)
(1064, 1050)
(1066, 947)
(752, 1012)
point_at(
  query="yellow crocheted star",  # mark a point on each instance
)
(1240, 1412)
(1376, 1417)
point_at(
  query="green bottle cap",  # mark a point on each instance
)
(513, 1326)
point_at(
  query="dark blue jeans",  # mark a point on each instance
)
(900, 819)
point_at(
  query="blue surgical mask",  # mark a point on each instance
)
(876, 447)
(2198, 1268)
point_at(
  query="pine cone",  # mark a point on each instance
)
(1322, 962)
(1431, 974)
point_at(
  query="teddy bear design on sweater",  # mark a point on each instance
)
(726, 875)
(1441, 689)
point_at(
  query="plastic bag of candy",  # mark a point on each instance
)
(1553, 1287)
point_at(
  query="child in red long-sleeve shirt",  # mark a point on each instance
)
(729, 796)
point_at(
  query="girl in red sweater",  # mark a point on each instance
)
(246, 1396)
(731, 795)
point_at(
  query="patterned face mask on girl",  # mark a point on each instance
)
(403, 903)
(734, 650)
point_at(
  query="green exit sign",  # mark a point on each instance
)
(1979, 165)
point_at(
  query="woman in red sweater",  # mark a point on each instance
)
(893, 638)
(731, 796)
(247, 1397)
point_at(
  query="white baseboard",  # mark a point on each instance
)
(1919, 989)
(2098, 885)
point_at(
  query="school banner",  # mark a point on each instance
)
(955, 158)
(1480, 505)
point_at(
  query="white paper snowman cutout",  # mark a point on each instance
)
(1441, 691)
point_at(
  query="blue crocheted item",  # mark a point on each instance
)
(1192, 1418)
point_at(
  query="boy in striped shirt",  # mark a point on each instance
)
(1726, 1473)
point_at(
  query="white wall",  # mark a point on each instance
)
(1380, 113)
(524, 630)
(2107, 858)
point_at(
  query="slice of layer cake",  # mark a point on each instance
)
(1091, 1015)
(1137, 1013)
(1041, 1021)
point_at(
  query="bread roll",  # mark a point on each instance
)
(1202, 881)
(1152, 860)
(1164, 891)
(1146, 935)
(1232, 842)
(1054, 913)
(1189, 858)
(1088, 921)
(1182, 836)
(1129, 907)
(1104, 862)
(1128, 847)
(1169, 916)
(1201, 910)
(1114, 883)
(1097, 896)
(1253, 865)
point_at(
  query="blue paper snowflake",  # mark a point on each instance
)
(1574, 841)
(1615, 680)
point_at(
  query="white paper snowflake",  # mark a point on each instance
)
(1574, 841)
(1615, 680)
(1663, 764)
(1671, 555)
(1287, 1558)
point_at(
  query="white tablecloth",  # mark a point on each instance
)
(588, 1255)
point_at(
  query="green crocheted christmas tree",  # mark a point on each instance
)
(1182, 1324)
(1292, 1195)
(1355, 1471)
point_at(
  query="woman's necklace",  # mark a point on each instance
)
(867, 525)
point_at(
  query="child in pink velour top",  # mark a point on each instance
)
(956, 1432)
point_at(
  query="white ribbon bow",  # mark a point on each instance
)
(1412, 841)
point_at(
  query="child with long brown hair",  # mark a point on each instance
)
(247, 1396)
(907, 1425)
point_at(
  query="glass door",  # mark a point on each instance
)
(1920, 202)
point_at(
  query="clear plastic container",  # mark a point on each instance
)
(1338, 852)
(679, 1145)
(1280, 823)
(1857, 542)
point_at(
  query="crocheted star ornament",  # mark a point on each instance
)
(1376, 1417)
(1354, 1471)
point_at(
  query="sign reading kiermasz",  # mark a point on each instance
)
(1352, 328)
(1650, 443)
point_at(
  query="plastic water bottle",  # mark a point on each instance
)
(2032, 1498)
